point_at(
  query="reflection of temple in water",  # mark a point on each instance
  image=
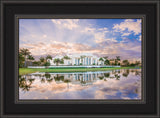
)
(82, 78)
(79, 78)
(107, 83)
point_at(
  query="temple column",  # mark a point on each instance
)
(91, 60)
(87, 61)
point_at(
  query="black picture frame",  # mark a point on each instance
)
(11, 9)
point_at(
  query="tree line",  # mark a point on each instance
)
(26, 58)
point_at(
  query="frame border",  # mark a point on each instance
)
(2, 2)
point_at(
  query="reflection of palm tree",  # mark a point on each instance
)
(24, 84)
(127, 71)
(137, 73)
(117, 76)
(26, 88)
(125, 74)
(58, 78)
(83, 82)
(111, 77)
(49, 80)
(42, 80)
(31, 80)
(67, 81)
(114, 72)
(47, 75)
(107, 75)
(101, 77)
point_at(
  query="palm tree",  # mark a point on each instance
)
(48, 57)
(117, 59)
(42, 59)
(57, 61)
(66, 57)
(37, 63)
(82, 57)
(137, 63)
(30, 57)
(101, 59)
(21, 60)
(25, 52)
(126, 62)
(107, 62)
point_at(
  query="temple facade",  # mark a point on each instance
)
(78, 59)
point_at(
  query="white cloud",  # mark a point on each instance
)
(126, 34)
(66, 23)
(140, 38)
(62, 36)
(130, 25)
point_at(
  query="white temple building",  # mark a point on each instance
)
(78, 59)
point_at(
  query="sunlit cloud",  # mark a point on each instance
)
(66, 23)
(68, 36)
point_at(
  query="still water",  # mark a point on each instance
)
(115, 84)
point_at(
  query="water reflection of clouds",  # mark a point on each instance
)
(125, 88)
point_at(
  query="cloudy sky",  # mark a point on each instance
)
(102, 37)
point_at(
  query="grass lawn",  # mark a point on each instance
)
(23, 71)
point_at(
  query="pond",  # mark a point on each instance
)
(115, 84)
